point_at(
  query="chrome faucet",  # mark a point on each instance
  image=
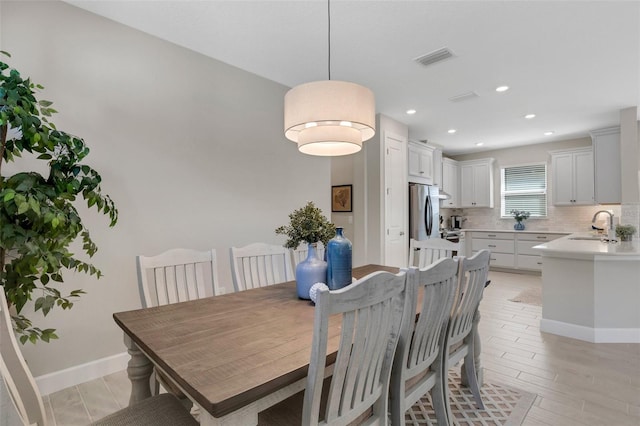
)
(595, 216)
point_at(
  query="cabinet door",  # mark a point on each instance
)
(450, 184)
(467, 197)
(562, 169)
(414, 161)
(584, 182)
(437, 167)
(481, 189)
(426, 164)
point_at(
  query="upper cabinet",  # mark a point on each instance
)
(572, 177)
(421, 169)
(450, 173)
(607, 163)
(476, 183)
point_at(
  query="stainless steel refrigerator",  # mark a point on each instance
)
(424, 211)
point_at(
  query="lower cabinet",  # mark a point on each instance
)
(509, 250)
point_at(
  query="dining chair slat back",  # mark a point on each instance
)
(460, 338)
(177, 275)
(161, 410)
(425, 252)
(16, 375)
(372, 313)
(417, 367)
(260, 265)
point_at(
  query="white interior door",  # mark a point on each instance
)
(396, 200)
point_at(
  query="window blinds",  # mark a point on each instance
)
(525, 188)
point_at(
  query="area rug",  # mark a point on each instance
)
(530, 296)
(503, 406)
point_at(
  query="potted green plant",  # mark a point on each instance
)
(310, 226)
(519, 216)
(625, 232)
(38, 217)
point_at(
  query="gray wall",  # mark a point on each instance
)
(191, 149)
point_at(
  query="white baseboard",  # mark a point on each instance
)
(58, 380)
(594, 335)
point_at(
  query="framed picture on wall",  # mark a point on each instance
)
(341, 198)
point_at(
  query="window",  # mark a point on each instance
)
(524, 188)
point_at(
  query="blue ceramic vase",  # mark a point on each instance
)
(338, 261)
(310, 271)
(519, 226)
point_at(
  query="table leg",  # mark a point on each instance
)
(139, 370)
(476, 354)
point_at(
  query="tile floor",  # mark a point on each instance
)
(577, 383)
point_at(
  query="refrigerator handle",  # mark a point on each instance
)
(428, 216)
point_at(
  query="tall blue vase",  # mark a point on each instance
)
(519, 226)
(338, 261)
(310, 271)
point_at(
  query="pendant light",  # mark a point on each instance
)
(329, 118)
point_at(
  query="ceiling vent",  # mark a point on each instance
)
(434, 57)
(464, 97)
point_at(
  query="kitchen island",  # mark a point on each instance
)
(591, 289)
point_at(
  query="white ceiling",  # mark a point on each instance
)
(573, 64)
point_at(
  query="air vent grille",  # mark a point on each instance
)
(463, 97)
(435, 56)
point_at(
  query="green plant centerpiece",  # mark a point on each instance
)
(38, 218)
(625, 232)
(310, 226)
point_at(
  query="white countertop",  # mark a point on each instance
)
(514, 231)
(576, 247)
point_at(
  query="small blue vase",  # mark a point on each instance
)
(338, 261)
(519, 226)
(310, 271)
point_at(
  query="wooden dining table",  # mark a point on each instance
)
(233, 355)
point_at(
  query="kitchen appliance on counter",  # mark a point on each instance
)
(456, 222)
(424, 211)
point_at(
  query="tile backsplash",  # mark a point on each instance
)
(561, 219)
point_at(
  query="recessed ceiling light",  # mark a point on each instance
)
(411, 111)
(451, 131)
(548, 133)
(530, 116)
(502, 88)
(479, 143)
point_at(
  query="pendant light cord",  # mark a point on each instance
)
(329, 36)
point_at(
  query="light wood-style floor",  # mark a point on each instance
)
(577, 383)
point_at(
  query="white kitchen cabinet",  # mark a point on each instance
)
(572, 177)
(476, 183)
(607, 163)
(450, 173)
(437, 167)
(420, 163)
(509, 250)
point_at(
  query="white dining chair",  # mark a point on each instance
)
(426, 252)
(176, 275)
(460, 337)
(160, 410)
(260, 265)
(371, 313)
(417, 367)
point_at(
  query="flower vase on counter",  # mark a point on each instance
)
(310, 271)
(338, 261)
(519, 226)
